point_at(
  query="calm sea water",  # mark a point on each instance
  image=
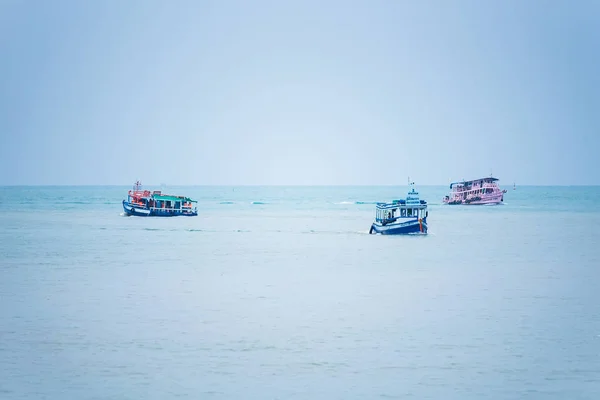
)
(280, 293)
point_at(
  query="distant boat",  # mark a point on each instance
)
(401, 217)
(143, 203)
(478, 191)
(514, 186)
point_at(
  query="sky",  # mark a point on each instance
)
(310, 92)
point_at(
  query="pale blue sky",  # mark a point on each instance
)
(299, 92)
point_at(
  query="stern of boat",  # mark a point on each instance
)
(417, 227)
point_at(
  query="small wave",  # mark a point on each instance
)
(123, 214)
(227, 202)
(257, 202)
(366, 202)
(345, 202)
(195, 230)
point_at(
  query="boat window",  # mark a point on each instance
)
(409, 212)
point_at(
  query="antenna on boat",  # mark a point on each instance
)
(411, 184)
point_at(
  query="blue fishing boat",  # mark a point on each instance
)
(401, 217)
(143, 203)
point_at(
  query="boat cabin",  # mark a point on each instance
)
(161, 202)
(412, 208)
(482, 185)
(390, 212)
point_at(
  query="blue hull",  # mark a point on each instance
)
(405, 228)
(145, 212)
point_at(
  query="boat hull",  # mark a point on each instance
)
(495, 199)
(145, 212)
(401, 228)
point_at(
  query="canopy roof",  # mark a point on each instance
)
(487, 179)
(168, 197)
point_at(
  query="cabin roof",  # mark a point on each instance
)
(401, 205)
(168, 197)
(488, 179)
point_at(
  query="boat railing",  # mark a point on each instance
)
(389, 206)
(184, 209)
(174, 208)
(468, 189)
(139, 193)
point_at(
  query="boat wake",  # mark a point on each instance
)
(355, 202)
(313, 232)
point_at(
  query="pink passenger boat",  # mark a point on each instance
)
(478, 191)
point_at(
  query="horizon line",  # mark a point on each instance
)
(275, 185)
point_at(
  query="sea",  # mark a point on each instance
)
(281, 293)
